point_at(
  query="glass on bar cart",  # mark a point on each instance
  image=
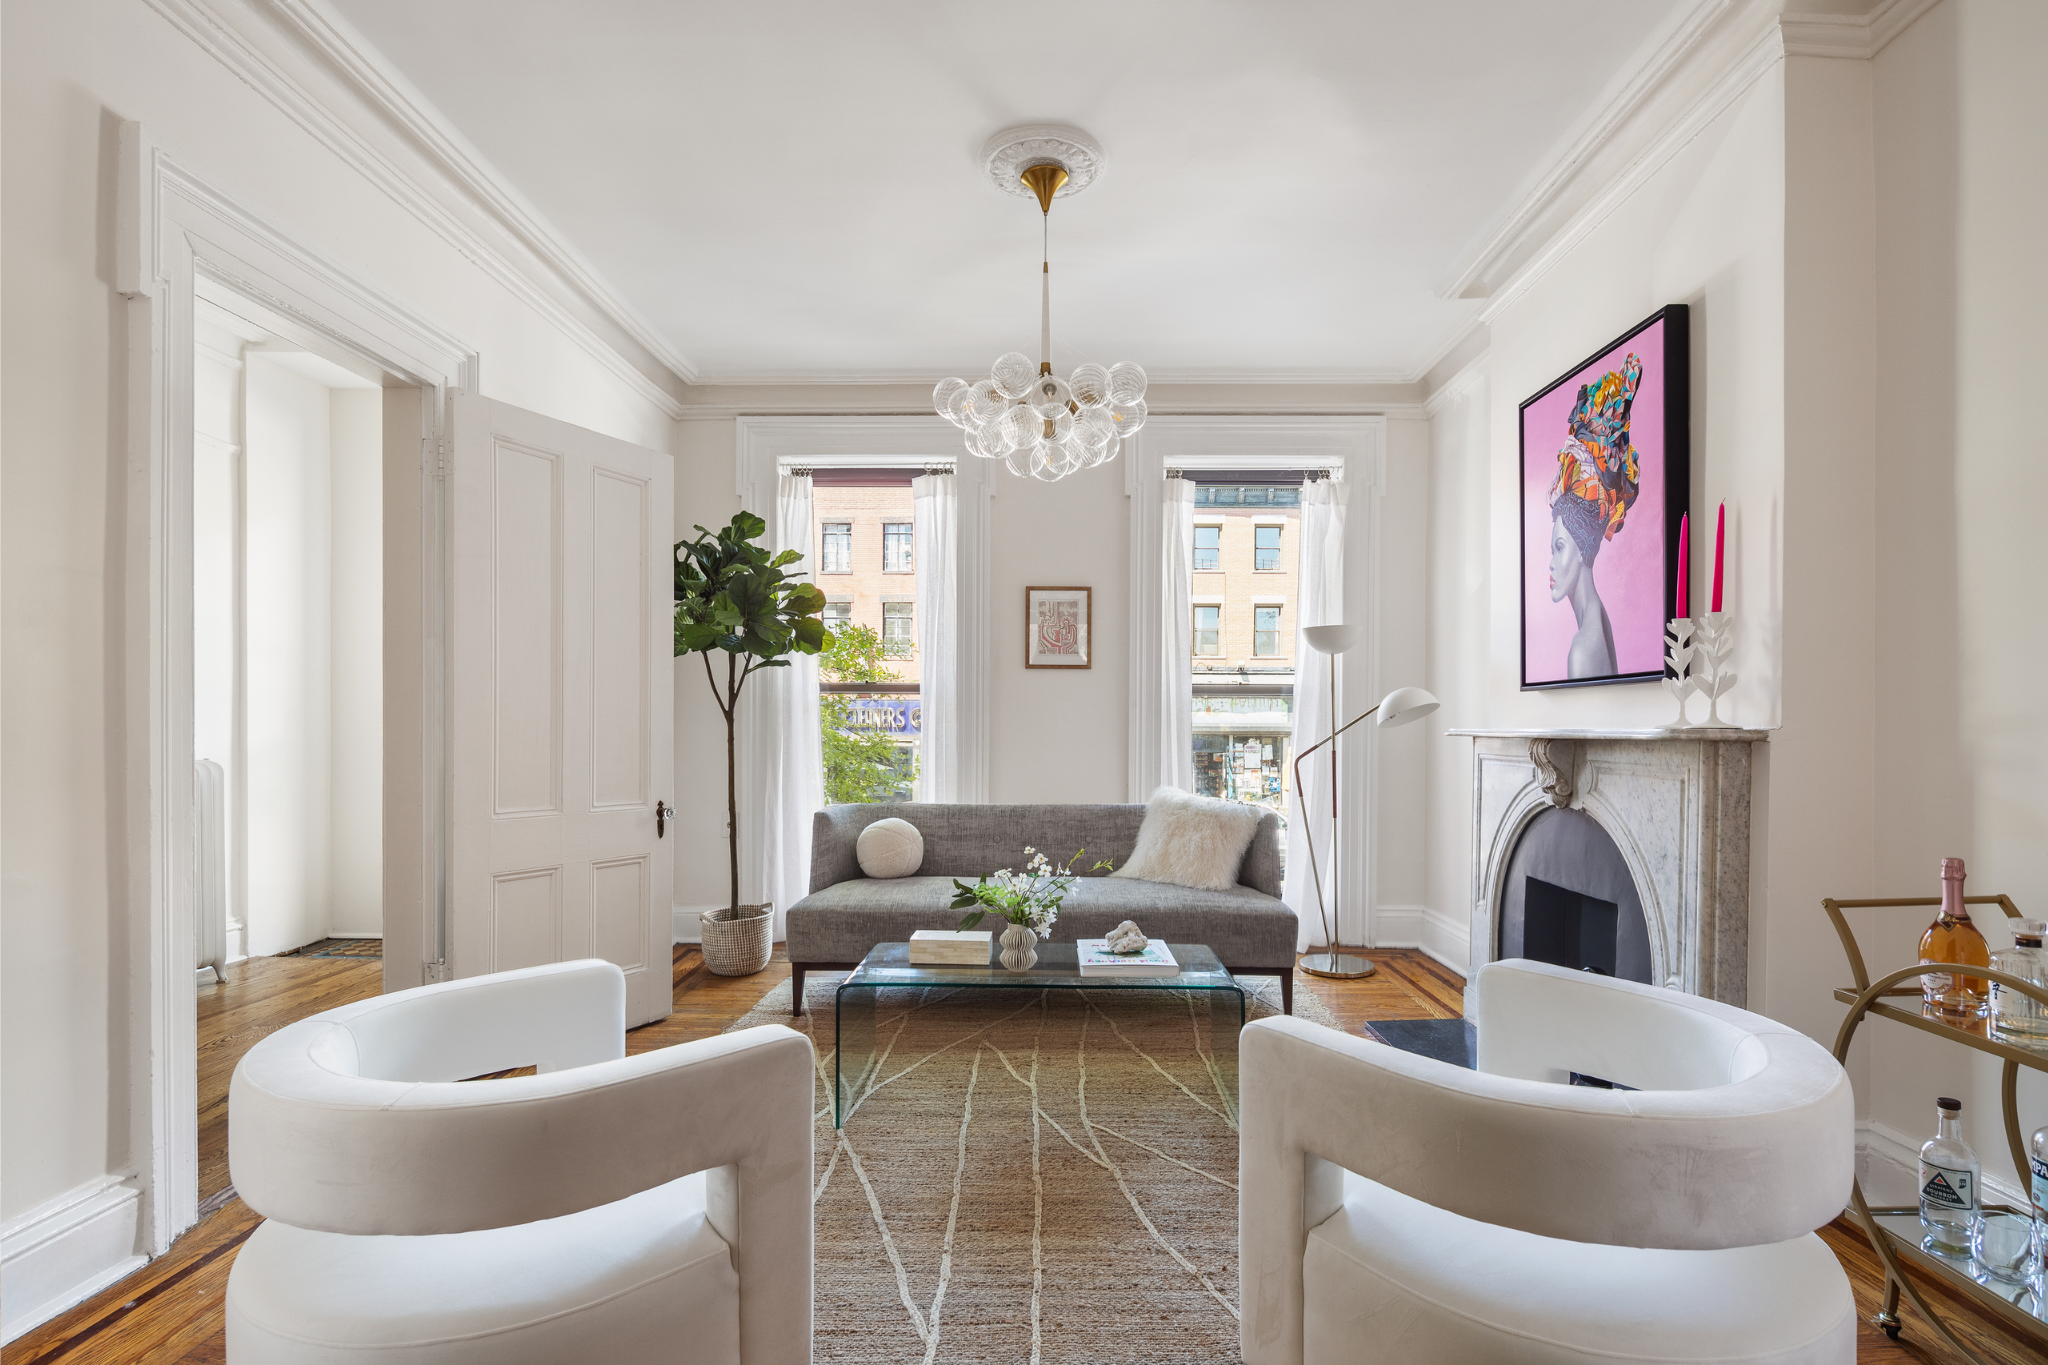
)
(2018, 1018)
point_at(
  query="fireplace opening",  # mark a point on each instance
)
(1569, 899)
(1568, 928)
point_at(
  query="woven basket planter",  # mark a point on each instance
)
(738, 944)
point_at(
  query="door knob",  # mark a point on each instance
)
(663, 813)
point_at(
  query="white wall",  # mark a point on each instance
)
(1064, 736)
(1706, 228)
(1960, 741)
(290, 594)
(1854, 238)
(355, 895)
(71, 73)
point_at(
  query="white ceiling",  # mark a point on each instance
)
(792, 191)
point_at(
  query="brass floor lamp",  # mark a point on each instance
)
(1398, 707)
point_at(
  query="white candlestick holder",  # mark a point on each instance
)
(1678, 655)
(1713, 642)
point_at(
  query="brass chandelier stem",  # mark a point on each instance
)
(1044, 180)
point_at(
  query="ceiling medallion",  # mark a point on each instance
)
(1039, 425)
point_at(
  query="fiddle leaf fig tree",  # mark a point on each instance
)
(734, 598)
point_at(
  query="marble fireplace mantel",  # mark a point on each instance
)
(1676, 803)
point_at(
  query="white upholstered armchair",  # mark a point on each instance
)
(1395, 1208)
(612, 1208)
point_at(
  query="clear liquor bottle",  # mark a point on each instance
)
(2037, 1160)
(2015, 1017)
(1949, 1175)
(1953, 938)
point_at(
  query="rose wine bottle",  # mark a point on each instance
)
(1952, 938)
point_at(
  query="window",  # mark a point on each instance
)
(838, 612)
(1248, 495)
(896, 547)
(899, 629)
(838, 555)
(1208, 548)
(1266, 549)
(1208, 630)
(1266, 628)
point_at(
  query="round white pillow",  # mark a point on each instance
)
(890, 848)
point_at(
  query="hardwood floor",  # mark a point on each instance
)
(256, 996)
(170, 1312)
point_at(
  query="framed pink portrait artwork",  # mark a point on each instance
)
(1604, 475)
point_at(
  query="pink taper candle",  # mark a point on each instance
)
(1720, 540)
(1684, 603)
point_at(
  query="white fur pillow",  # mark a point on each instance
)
(890, 848)
(1194, 841)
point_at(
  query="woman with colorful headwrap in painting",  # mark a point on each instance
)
(1597, 481)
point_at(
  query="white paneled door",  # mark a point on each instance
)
(561, 636)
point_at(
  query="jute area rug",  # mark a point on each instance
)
(1029, 1177)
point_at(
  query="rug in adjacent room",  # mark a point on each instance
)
(1050, 1178)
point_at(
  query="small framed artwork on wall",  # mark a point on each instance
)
(1056, 627)
(1604, 475)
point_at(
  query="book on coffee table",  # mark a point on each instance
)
(1098, 960)
(950, 947)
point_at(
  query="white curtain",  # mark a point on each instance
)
(1177, 638)
(775, 854)
(935, 543)
(1322, 603)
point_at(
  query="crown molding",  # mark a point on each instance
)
(370, 76)
(1852, 36)
(1607, 126)
(774, 378)
(263, 74)
(1759, 50)
(1458, 385)
(1716, 50)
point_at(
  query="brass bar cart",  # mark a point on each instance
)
(1895, 1232)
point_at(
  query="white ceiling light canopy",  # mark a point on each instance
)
(1039, 425)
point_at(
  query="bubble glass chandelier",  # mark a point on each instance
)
(1037, 424)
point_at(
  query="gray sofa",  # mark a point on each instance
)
(848, 912)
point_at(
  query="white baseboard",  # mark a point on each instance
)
(65, 1251)
(688, 928)
(1888, 1168)
(1436, 934)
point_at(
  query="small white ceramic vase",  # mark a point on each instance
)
(1020, 948)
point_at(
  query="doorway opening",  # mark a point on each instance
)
(289, 682)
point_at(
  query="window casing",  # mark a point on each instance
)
(1208, 548)
(1266, 549)
(1208, 630)
(837, 556)
(1266, 631)
(896, 543)
(899, 628)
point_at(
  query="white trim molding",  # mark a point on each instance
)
(1432, 932)
(67, 1250)
(1888, 1167)
(764, 444)
(177, 233)
(1858, 37)
(331, 42)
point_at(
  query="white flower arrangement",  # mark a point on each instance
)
(1030, 898)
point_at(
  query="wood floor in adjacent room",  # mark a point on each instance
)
(170, 1312)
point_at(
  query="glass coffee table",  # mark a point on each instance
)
(888, 967)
